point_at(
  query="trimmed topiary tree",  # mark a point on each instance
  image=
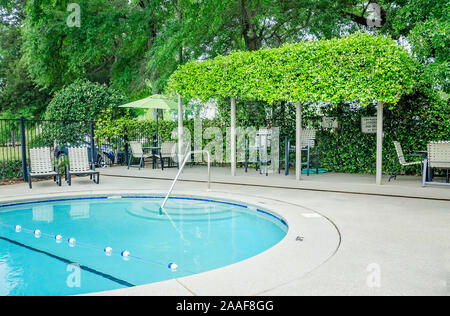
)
(82, 101)
(71, 108)
(359, 67)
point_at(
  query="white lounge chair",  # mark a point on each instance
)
(401, 160)
(438, 158)
(79, 165)
(42, 165)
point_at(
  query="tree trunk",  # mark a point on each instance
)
(249, 31)
(180, 17)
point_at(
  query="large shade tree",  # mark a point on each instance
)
(109, 46)
(19, 94)
(135, 45)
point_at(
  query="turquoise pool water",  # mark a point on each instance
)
(196, 235)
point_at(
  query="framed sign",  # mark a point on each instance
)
(369, 125)
(330, 122)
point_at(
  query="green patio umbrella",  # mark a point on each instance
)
(156, 101)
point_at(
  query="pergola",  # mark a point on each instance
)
(358, 68)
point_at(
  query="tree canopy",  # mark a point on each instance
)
(359, 67)
(82, 101)
(134, 46)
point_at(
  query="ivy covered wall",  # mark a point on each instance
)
(417, 119)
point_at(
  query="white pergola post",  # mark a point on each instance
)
(379, 143)
(298, 145)
(180, 130)
(233, 137)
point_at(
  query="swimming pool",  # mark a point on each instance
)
(194, 236)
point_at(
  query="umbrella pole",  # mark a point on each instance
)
(157, 128)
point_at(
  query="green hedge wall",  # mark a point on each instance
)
(416, 120)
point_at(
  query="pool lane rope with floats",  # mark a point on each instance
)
(72, 242)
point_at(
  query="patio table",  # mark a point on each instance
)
(155, 152)
(422, 152)
(152, 148)
(424, 155)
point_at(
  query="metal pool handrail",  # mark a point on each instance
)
(161, 209)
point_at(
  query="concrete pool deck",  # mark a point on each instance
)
(360, 245)
(404, 186)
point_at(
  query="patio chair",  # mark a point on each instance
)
(42, 166)
(438, 158)
(79, 165)
(170, 153)
(401, 161)
(138, 153)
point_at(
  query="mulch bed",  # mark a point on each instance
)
(17, 181)
(9, 182)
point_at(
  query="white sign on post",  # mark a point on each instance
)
(330, 122)
(369, 125)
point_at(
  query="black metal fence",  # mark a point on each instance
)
(10, 149)
(17, 136)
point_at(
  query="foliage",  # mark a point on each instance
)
(356, 68)
(416, 120)
(128, 126)
(431, 44)
(138, 43)
(135, 45)
(426, 26)
(19, 95)
(10, 169)
(82, 101)
(53, 49)
(62, 162)
(71, 108)
(110, 46)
